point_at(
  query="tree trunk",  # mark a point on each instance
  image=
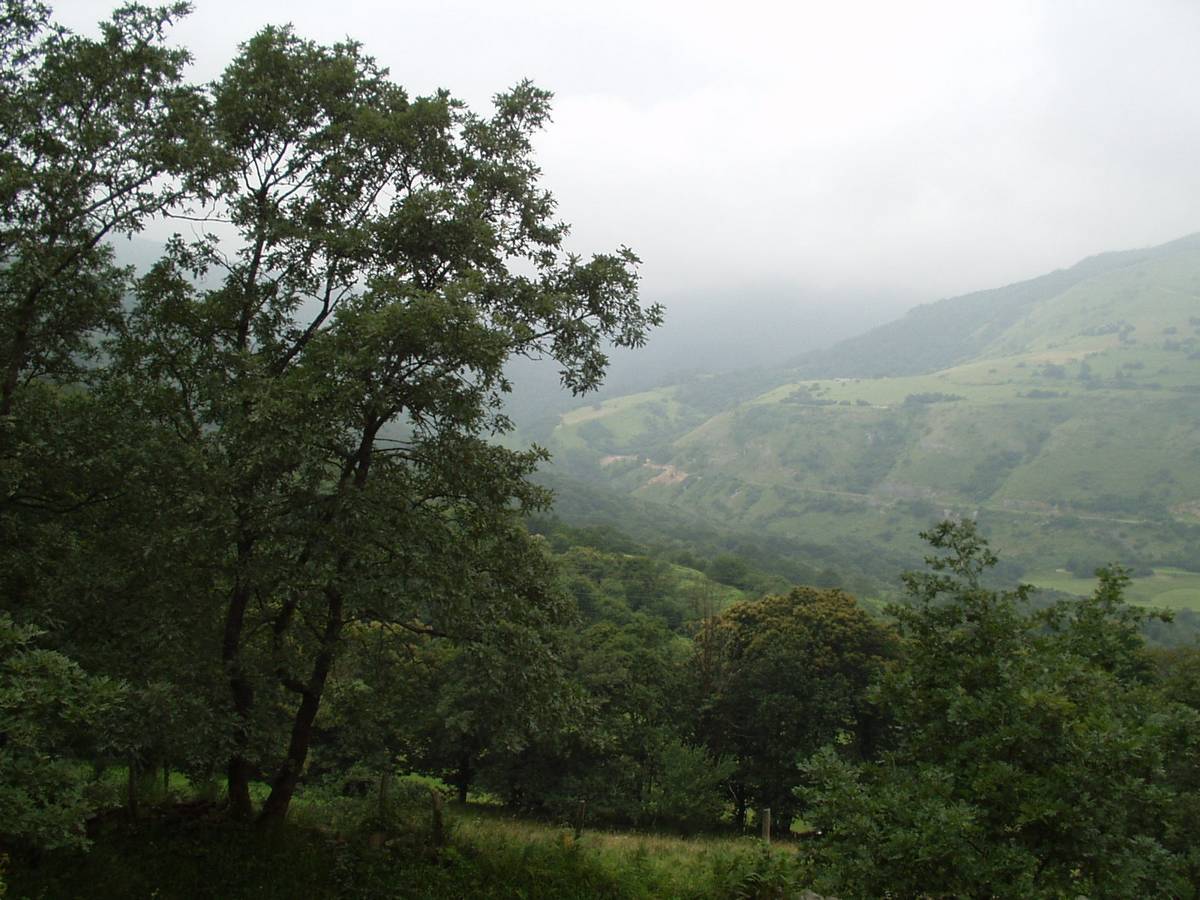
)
(238, 770)
(385, 787)
(739, 806)
(462, 778)
(21, 343)
(438, 823)
(237, 774)
(283, 785)
(131, 788)
(782, 826)
(580, 812)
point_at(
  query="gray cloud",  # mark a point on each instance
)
(909, 150)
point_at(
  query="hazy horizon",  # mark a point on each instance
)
(866, 153)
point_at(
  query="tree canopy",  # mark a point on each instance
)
(284, 429)
(1026, 755)
(779, 677)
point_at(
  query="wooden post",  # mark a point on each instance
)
(439, 824)
(766, 824)
(579, 811)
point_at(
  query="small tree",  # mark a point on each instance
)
(609, 753)
(688, 792)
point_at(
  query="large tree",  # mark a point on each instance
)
(1028, 756)
(305, 396)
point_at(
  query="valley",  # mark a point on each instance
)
(1065, 420)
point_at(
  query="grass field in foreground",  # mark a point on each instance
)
(336, 848)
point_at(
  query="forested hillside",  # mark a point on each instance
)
(1059, 413)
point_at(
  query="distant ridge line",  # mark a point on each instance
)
(953, 330)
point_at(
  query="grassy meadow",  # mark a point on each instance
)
(1167, 588)
(339, 847)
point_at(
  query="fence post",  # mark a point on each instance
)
(766, 824)
(579, 811)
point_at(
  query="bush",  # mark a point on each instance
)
(688, 793)
(363, 802)
(47, 707)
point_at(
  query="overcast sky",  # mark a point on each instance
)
(909, 150)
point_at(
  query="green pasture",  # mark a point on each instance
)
(1075, 434)
(1167, 587)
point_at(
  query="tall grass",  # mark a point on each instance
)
(351, 847)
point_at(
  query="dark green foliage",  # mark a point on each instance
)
(1053, 370)
(710, 394)
(777, 561)
(779, 677)
(689, 791)
(446, 708)
(49, 710)
(1026, 756)
(631, 679)
(924, 399)
(990, 473)
(189, 857)
(1178, 672)
(729, 569)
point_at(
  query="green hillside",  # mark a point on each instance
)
(1067, 420)
(953, 331)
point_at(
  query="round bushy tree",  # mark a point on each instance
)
(779, 677)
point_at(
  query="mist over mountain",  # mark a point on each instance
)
(942, 334)
(760, 327)
(1060, 412)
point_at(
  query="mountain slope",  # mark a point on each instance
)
(952, 331)
(1067, 419)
